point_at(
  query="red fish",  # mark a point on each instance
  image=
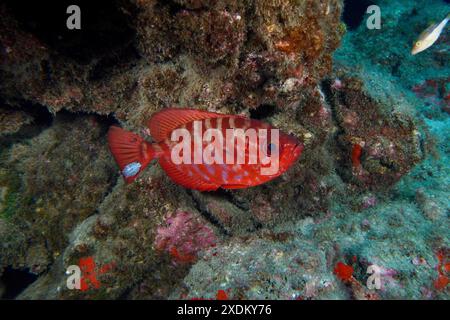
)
(132, 153)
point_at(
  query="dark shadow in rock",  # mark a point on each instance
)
(41, 119)
(16, 281)
(354, 12)
(263, 111)
(104, 26)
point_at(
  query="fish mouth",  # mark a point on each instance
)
(290, 154)
(416, 50)
(297, 151)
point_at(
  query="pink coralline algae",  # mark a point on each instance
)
(183, 236)
(369, 201)
(337, 84)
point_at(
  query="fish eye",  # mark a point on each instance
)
(418, 43)
(271, 147)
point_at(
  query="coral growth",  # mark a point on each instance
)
(378, 147)
(343, 272)
(38, 179)
(12, 120)
(183, 236)
(443, 269)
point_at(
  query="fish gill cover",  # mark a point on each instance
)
(369, 191)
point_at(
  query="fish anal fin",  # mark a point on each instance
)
(191, 182)
(162, 123)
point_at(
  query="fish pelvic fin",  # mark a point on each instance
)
(131, 152)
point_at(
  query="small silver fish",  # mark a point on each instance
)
(131, 169)
(429, 36)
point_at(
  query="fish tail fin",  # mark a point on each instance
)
(131, 152)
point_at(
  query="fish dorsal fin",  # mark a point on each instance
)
(429, 29)
(163, 122)
(191, 182)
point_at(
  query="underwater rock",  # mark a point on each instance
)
(229, 213)
(379, 143)
(297, 260)
(33, 68)
(190, 39)
(261, 269)
(2, 289)
(436, 93)
(128, 237)
(184, 236)
(39, 178)
(12, 120)
(62, 202)
(3, 192)
(431, 208)
(222, 56)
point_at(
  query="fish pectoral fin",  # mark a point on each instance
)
(234, 186)
(162, 123)
(191, 182)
